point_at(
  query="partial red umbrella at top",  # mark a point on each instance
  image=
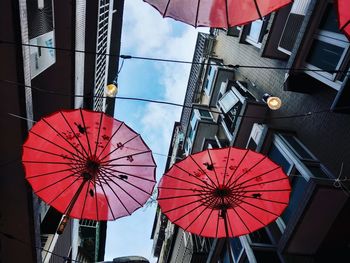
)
(343, 8)
(225, 192)
(217, 13)
(88, 165)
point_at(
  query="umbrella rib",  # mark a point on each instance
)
(240, 218)
(263, 209)
(125, 156)
(187, 213)
(98, 134)
(251, 215)
(116, 195)
(193, 176)
(86, 133)
(70, 127)
(229, 225)
(211, 161)
(234, 172)
(209, 202)
(50, 173)
(196, 19)
(129, 174)
(260, 183)
(62, 179)
(228, 156)
(178, 196)
(46, 162)
(267, 190)
(55, 154)
(184, 189)
(59, 145)
(109, 140)
(104, 174)
(181, 206)
(65, 189)
(135, 186)
(166, 9)
(59, 134)
(183, 180)
(119, 147)
(206, 221)
(345, 25)
(203, 171)
(248, 170)
(258, 9)
(227, 15)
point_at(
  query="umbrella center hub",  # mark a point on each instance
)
(222, 192)
(92, 168)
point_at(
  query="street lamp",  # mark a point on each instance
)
(274, 103)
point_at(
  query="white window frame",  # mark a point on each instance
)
(250, 39)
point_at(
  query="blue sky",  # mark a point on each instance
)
(145, 33)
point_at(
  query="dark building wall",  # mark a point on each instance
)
(58, 78)
(15, 195)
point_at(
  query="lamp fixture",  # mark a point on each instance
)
(274, 103)
(112, 90)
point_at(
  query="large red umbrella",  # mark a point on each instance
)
(88, 165)
(216, 13)
(225, 192)
(343, 7)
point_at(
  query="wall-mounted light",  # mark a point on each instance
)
(274, 103)
(112, 90)
(62, 225)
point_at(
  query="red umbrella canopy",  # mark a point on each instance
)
(216, 13)
(224, 192)
(344, 16)
(88, 165)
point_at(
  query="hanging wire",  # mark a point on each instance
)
(167, 60)
(12, 237)
(299, 115)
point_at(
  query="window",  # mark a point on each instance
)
(210, 79)
(256, 33)
(227, 101)
(328, 50)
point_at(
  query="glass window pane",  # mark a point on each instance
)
(227, 101)
(204, 113)
(296, 147)
(316, 171)
(325, 55)
(260, 236)
(329, 21)
(278, 158)
(236, 247)
(255, 29)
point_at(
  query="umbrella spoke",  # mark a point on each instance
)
(106, 197)
(178, 196)
(126, 181)
(44, 162)
(203, 171)
(121, 188)
(186, 204)
(248, 170)
(52, 184)
(211, 161)
(130, 165)
(129, 174)
(227, 159)
(126, 209)
(59, 134)
(185, 189)
(54, 154)
(209, 202)
(183, 180)
(50, 173)
(187, 213)
(98, 134)
(125, 156)
(96, 201)
(85, 131)
(65, 189)
(193, 176)
(62, 148)
(75, 135)
(119, 147)
(206, 221)
(261, 208)
(234, 172)
(265, 182)
(240, 218)
(255, 177)
(110, 139)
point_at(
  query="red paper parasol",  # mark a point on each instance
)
(216, 13)
(224, 192)
(343, 7)
(88, 165)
